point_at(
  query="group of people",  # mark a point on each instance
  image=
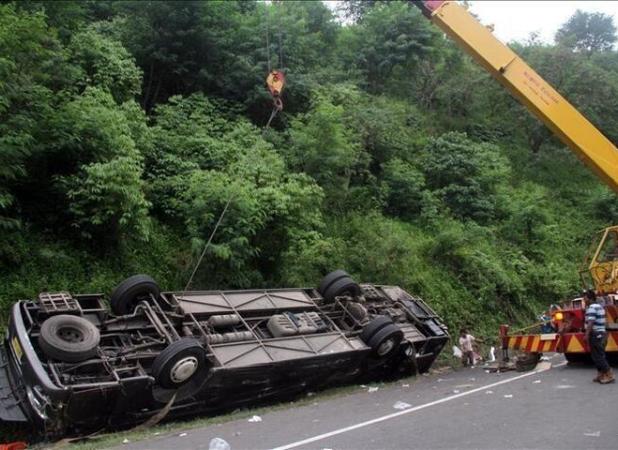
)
(595, 333)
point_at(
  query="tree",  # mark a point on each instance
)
(104, 62)
(405, 186)
(102, 177)
(28, 52)
(465, 175)
(392, 36)
(355, 10)
(169, 43)
(270, 214)
(588, 32)
(323, 147)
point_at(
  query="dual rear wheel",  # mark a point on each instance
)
(337, 284)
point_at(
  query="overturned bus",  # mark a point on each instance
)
(69, 364)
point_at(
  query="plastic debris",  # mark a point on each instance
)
(405, 385)
(489, 392)
(457, 353)
(508, 395)
(402, 405)
(218, 444)
(456, 391)
(255, 419)
(182, 434)
(492, 354)
(564, 386)
(536, 382)
(544, 358)
(125, 441)
(595, 434)
(372, 389)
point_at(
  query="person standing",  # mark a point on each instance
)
(596, 335)
(466, 343)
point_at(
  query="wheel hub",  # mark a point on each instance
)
(386, 347)
(70, 335)
(183, 369)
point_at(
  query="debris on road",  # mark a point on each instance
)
(456, 391)
(508, 395)
(405, 385)
(372, 389)
(402, 405)
(565, 386)
(440, 370)
(536, 382)
(492, 354)
(489, 392)
(218, 444)
(255, 419)
(125, 441)
(182, 434)
(595, 434)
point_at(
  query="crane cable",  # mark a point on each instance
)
(212, 235)
(275, 81)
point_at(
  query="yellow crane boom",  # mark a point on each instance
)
(588, 143)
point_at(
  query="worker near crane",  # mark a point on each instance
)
(596, 336)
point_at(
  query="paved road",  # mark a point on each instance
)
(555, 409)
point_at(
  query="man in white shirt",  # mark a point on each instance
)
(466, 343)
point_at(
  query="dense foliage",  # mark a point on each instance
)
(126, 128)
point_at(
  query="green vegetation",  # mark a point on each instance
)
(126, 127)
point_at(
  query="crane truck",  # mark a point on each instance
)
(564, 330)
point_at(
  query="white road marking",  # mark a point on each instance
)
(367, 423)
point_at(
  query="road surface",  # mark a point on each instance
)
(560, 408)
